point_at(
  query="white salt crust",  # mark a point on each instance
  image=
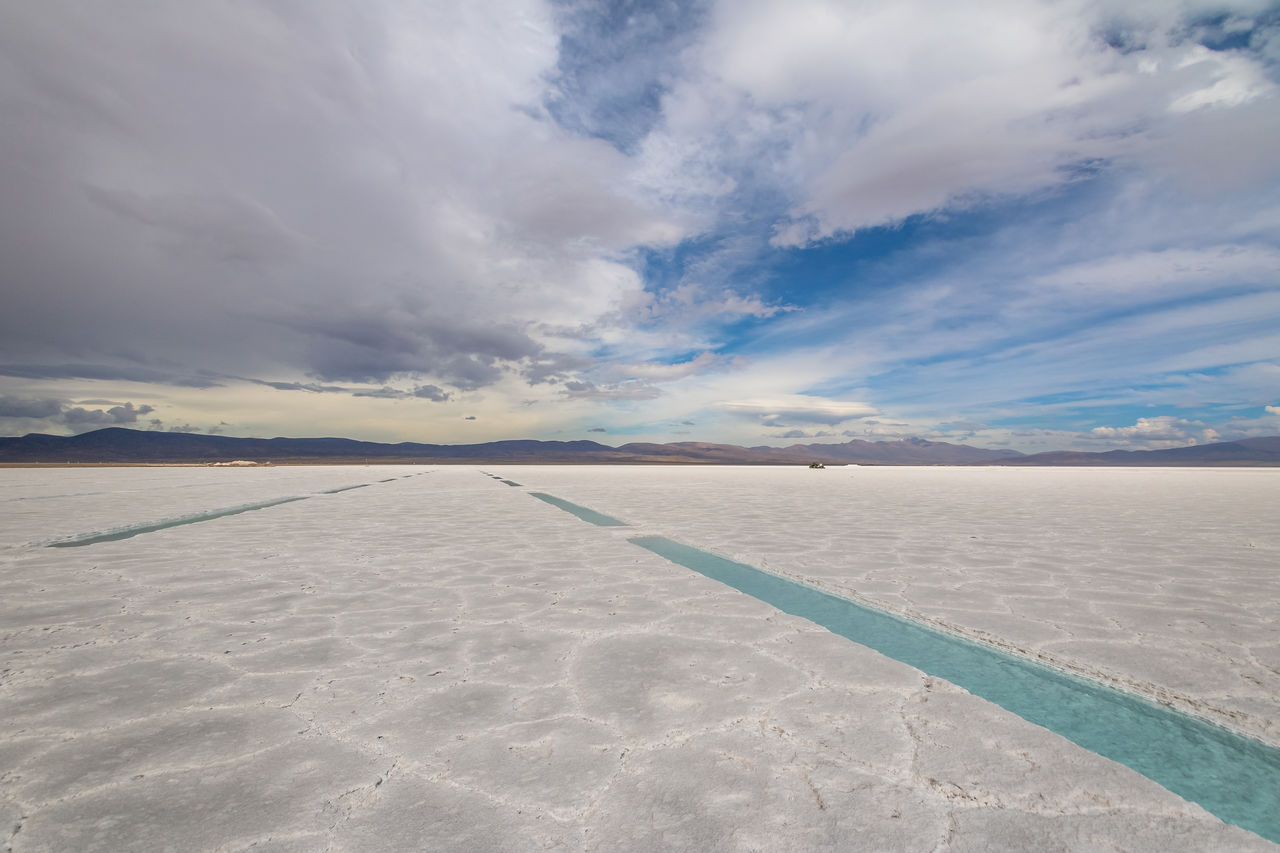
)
(1163, 581)
(444, 662)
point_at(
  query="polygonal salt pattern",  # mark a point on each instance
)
(443, 662)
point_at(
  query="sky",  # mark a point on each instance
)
(1027, 225)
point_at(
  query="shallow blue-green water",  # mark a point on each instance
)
(589, 515)
(1234, 777)
(137, 530)
(130, 532)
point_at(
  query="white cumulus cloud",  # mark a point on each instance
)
(1160, 431)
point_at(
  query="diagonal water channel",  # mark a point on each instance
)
(130, 532)
(589, 515)
(347, 488)
(502, 480)
(1234, 777)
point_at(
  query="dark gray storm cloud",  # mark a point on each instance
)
(553, 367)
(422, 392)
(434, 393)
(312, 387)
(373, 346)
(318, 189)
(23, 407)
(79, 418)
(124, 373)
(383, 393)
(40, 413)
(20, 415)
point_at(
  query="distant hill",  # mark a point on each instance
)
(908, 451)
(118, 445)
(1244, 452)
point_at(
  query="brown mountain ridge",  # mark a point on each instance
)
(125, 446)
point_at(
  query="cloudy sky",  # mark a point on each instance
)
(1012, 224)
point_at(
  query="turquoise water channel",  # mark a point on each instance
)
(589, 515)
(130, 532)
(1234, 777)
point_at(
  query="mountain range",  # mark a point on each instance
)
(123, 446)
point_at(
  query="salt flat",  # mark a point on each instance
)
(42, 505)
(439, 661)
(1161, 580)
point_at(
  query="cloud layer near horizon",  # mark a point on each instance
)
(1022, 224)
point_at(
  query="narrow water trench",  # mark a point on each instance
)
(588, 515)
(152, 527)
(1234, 777)
(130, 532)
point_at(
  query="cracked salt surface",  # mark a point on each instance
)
(59, 504)
(128, 532)
(1234, 777)
(1160, 581)
(442, 663)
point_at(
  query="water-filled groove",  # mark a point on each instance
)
(1234, 777)
(130, 532)
(589, 515)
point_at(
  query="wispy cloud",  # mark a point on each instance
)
(796, 409)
